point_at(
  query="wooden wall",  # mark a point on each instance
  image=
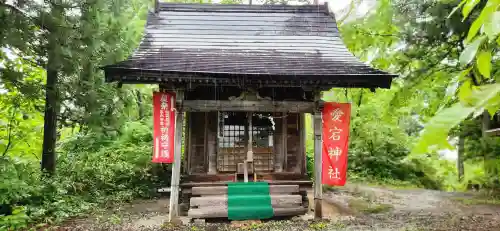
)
(197, 143)
(293, 157)
(201, 143)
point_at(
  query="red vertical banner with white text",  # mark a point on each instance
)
(164, 127)
(336, 119)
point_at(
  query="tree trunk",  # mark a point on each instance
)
(50, 118)
(139, 104)
(50, 122)
(485, 125)
(460, 158)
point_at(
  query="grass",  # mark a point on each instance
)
(478, 200)
(364, 201)
(393, 185)
(277, 225)
(364, 206)
(384, 183)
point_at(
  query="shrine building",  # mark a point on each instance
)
(244, 76)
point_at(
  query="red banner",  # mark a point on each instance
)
(164, 127)
(336, 119)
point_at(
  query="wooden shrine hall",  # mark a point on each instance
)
(244, 77)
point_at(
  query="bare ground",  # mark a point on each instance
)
(354, 207)
(416, 209)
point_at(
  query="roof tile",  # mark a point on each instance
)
(250, 40)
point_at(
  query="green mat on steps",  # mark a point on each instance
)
(248, 201)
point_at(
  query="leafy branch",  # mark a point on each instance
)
(473, 98)
(21, 13)
(9, 131)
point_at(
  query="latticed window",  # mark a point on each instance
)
(262, 131)
(234, 131)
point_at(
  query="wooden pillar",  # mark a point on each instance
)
(284, 130)
(303, 154)
(279, 144)
(176, 167)
(187, 144)
(250, 137)
(249, 158)
(212, 142)
(318, 190)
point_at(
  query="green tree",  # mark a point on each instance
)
(71, 40)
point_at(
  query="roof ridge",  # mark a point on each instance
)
(217, 7)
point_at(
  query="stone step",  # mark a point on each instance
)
(277, 200)
(221, 212)
(220, 190)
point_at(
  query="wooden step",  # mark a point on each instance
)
(221, 212)
(221, 190)
(277, 201)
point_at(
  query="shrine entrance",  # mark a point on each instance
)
(235, 129)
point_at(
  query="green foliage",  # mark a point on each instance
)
(18, 219)
(446, 57)
(93, 169)
(479, 43)
(470, 51)
(380, 143)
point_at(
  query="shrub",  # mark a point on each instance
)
(91, 169)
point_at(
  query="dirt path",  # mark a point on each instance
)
(139, 215)
(415, 209)
(354, 207)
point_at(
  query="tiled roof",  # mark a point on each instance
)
(249, 43)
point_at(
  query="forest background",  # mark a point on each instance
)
(445, 51)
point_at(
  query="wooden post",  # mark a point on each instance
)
(318, 190)
(212, 143)
(284, 130)
(250, 137)
(303, 162)
(176, 168)
(187, 144)
(249, 158)
(279, 143)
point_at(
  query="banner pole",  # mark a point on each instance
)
(176, 167)
(318, 189)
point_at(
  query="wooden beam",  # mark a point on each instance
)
(219, 190)
(236, 105)
(303, 183)
(176, 168)
(318, 193)
(219, 212)
(277, 201)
